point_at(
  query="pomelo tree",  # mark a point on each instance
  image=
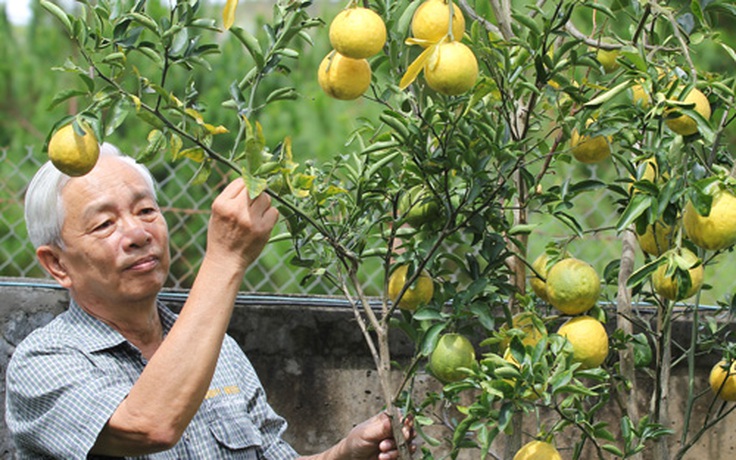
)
(486, 132)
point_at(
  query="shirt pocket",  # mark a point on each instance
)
(232, 428)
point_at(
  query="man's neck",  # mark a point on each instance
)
(138, 322)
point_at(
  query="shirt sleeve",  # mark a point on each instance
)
(270, 425)
(57, 401)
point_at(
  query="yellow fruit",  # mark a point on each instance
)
(573, 286)
(722, 382)
(588, 338)
(668, 287)
(342, 77)
(452, 353)
(684, 124)
(452, 69)
(431, 21)
(72, 153)
(418, 294)
(590, 149)
(640, 97)
(717, 230)
(539, 286)
(357, 33)
(607, 58)
(525, 322)
(657, 238)
(537, 450)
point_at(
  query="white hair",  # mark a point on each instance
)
(44, 209)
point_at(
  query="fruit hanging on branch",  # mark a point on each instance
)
(74, 149)
(342, 77)
(417, 294)
(451, 357)
(432, 21)
(357, 33)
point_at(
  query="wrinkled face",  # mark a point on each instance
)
(116, 247)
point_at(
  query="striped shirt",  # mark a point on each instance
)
(66, 379)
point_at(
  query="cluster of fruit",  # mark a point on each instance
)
(449, 66)
(594, 149)
(357, 33)
(572, 286)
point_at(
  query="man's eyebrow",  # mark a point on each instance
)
(102, 206)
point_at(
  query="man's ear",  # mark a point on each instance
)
(50, 259)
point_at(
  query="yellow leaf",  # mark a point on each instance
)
(214, 130)
(136, 102)
(416, 67)
(194, 114)
(228, 13)
(195, 154)
(255, 185)
(286, 153)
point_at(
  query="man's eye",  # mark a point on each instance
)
(146, 211)
(103, 225)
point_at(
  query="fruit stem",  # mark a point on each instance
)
(451, 6)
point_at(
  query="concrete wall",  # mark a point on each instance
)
(315, 366)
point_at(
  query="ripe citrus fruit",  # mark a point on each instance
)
(590, 149)
(657, 238)
(684, 124)
(418, 206)
(418, 294)
(357, 33)
(717, 230)
(539, 286)
(607, 58)
(537, 450)
(431, 22)
(452, 69)
(722, 382)
(640, 97)
(669, 286)
(452, 353)
(72, 153)
(530, 324)
(342, 77)
(573, 286)
(588, 338)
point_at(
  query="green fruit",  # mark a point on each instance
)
(418, 207)
(453, 353)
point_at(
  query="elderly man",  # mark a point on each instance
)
(118, 374)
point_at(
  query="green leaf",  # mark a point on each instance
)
(642, 274)
(284, 93)
(637, 206)
(608, 95)
(65, 95)
(255, 185)
(429, 341)
(613, 449)
(251, 44)
(59, 13)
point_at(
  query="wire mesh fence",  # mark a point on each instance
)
(186, 209)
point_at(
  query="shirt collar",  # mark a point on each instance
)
(95, 335)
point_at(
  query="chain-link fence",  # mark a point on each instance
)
(186, 208)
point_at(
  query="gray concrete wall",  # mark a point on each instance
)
(315, 366)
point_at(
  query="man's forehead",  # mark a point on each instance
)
(111, 181)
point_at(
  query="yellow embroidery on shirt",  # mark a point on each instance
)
(212, 392)
(228, 390)
(231, 390)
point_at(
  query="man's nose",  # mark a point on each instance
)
(136, 233)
